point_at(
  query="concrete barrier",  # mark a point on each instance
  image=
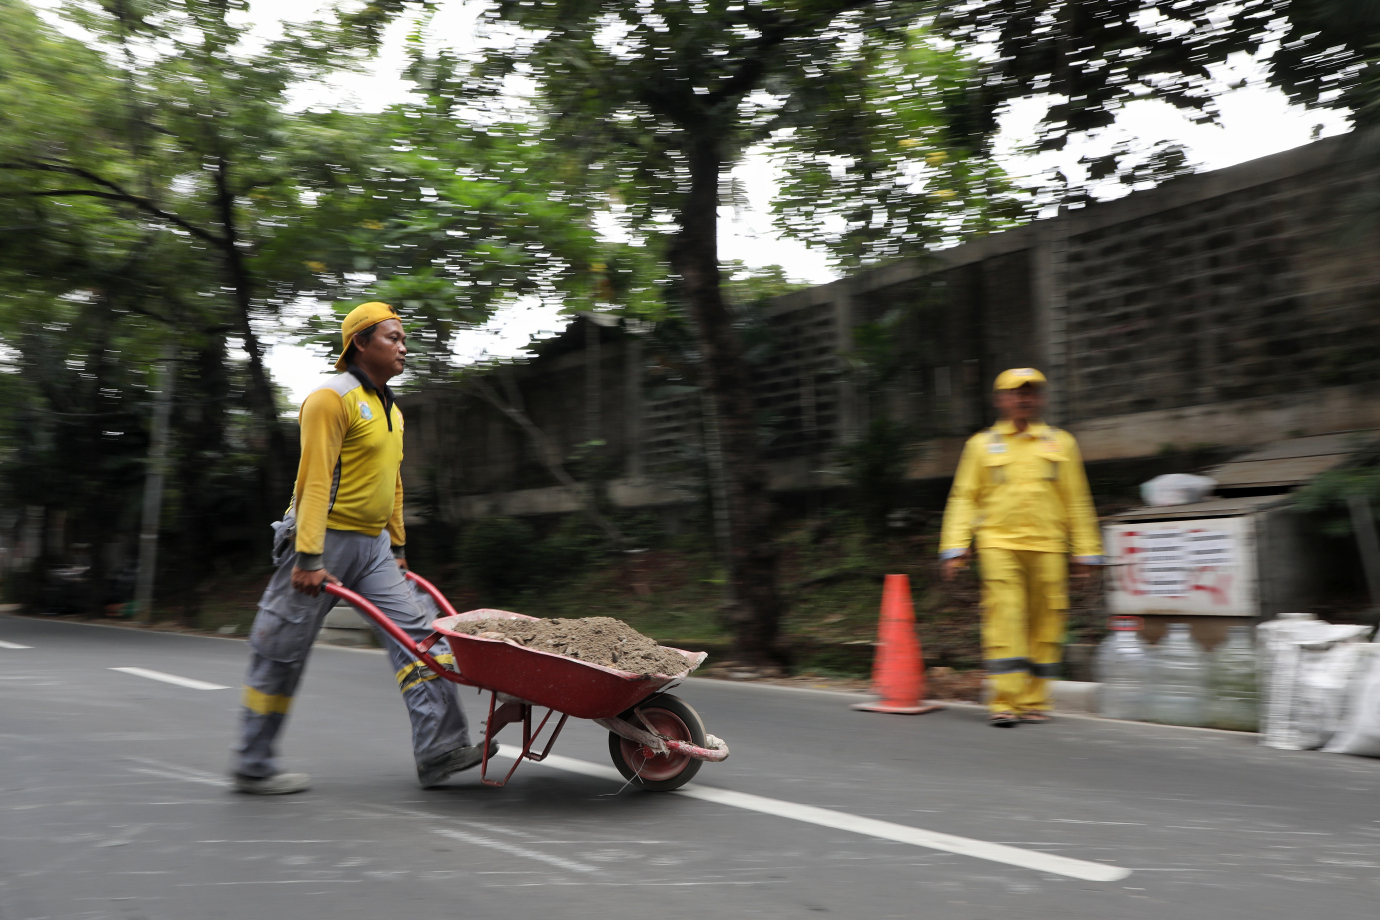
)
(1067, 695)
(346, 626)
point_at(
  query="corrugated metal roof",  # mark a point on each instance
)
(1337, 442)
(1259, 474)
(1292, 462)
(1213, 507)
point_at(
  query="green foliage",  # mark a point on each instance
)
(505, 559)
(1089, 58)
(496, 555)
(454, 222)
(849, 97)
(161, 187)
(745, 285)
(1328, 494)
(874, 168)
(876, 360)
(876, 466)
(174, 162)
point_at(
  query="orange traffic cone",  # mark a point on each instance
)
(898, 670)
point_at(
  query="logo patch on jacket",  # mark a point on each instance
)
(996, 447)
(365, 412)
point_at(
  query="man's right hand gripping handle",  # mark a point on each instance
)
(309, 581)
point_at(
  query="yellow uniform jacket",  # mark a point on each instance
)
(348, 478)
(1021, 491)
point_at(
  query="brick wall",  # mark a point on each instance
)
(1266, 290)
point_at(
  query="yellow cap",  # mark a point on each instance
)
(1018, 377)
(359, 319)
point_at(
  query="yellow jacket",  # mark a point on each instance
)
(1021, 491)
(348, 478)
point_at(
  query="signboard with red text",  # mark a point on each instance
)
(1193, 567)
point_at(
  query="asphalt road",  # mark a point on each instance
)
(115, 805)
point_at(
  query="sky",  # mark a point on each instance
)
(1255, 121)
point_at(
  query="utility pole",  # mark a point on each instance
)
(153, 488)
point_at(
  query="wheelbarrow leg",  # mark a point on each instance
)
(514, 712)
(499, 716)
(532, 755)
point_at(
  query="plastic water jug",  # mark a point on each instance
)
(1123, 668)
(1235, 694)
(1179, 687)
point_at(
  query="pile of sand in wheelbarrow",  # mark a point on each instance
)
(598, 640)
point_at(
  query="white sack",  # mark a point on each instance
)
(1176, 489)
(1359, 731)
(1307, 667)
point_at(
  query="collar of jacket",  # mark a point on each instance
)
(385, 392)
(1035, 429)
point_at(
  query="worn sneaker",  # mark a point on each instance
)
(278, 784)
(463, 758)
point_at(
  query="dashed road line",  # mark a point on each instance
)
(503, 846)
(513, 849)
(871, 827)
(171, 679)
(13, 645)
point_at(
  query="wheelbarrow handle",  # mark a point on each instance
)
(429, 588)
(393, 629)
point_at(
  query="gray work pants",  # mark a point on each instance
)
(286, 626)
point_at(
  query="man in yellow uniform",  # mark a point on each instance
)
(345, 526)
(1021, 493)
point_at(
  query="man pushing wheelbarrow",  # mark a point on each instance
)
(345, 527)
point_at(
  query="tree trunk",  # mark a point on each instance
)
(260, 389)
(757, 604)
(201, 434)
(550, 456)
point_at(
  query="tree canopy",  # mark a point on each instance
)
(1089, 58)
(162, 191)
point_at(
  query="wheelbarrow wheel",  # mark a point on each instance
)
(672, 717)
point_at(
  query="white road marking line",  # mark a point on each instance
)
(964, 846)
(569, 865)
(871, 827)
(169, 774)
(568, 764)
(267, 840)
(478, 840)
(288, 881)
(176, 771)
(172, 679)
(13, 645)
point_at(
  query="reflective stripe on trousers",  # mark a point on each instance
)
(1020, 666)
(287, 624)
(1024, 608)
(416, 672)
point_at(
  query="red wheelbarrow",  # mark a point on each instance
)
(657, 741)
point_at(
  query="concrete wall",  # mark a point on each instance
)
(1229, 308)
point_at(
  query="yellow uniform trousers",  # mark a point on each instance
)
(1024, 608)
